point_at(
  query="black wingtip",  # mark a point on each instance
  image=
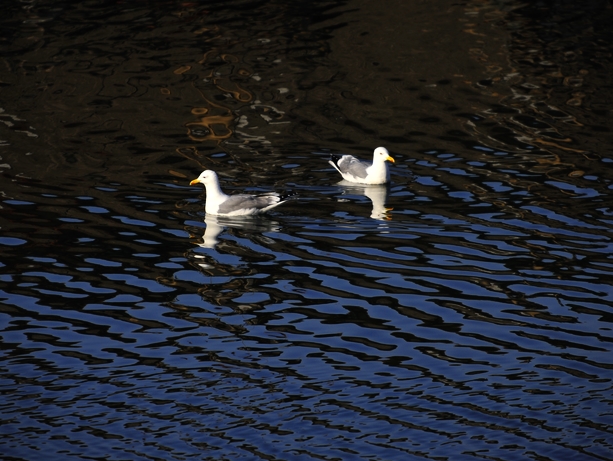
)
(288, 196)
(334, 159)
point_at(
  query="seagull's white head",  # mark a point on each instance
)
(381, 154)
(206, 177)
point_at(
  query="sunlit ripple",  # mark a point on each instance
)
(438, 326)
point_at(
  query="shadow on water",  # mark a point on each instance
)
(462, 312)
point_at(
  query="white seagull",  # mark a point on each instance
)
(218, 203)
(355, 170)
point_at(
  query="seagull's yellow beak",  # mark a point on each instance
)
(390, 159)
(194, 182)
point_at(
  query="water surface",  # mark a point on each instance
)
(463, 312)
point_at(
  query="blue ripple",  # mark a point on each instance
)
(12, 241)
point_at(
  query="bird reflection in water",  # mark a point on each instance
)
(215, 225)
(377, 193)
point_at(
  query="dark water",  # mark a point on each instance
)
(465, 312)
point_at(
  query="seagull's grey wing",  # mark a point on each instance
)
(351, 165)
(266, 200)
(247, 202)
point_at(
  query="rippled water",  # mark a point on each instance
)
(462, 313)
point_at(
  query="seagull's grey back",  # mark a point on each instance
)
(353, 166)
(239, 201)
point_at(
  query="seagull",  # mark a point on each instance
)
(218, 203)
(355, 170)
